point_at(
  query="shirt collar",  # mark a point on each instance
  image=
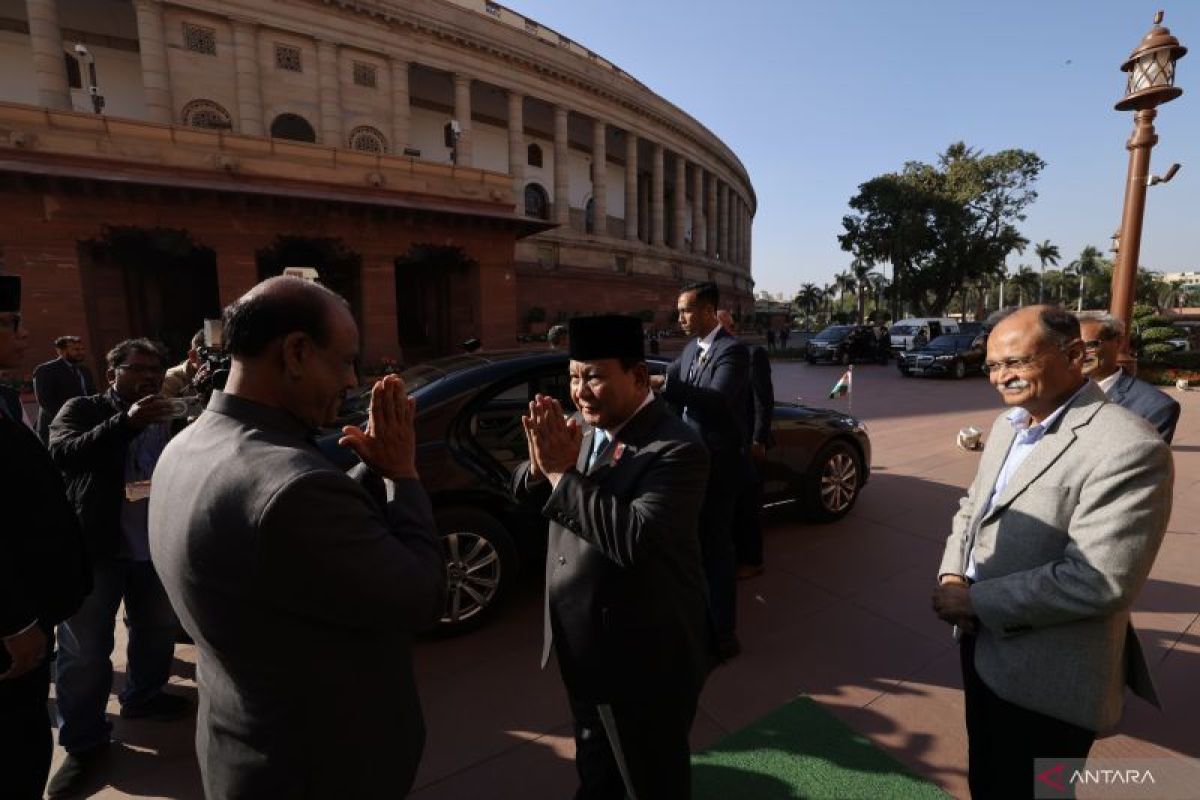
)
(1020, 419)
(1108, 383)
(707, 341)
(612, 433)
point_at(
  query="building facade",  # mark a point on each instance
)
(453, 168)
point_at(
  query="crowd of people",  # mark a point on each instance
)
(298, 581)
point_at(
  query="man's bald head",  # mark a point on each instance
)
(1054, 325)
(277, 307)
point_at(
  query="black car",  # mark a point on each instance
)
(470, 440)
(846, 344)
(953, 354)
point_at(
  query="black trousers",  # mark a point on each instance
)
(25, 740)
(747, 525)
(1004, 739)
(652, 735)
(716, 546)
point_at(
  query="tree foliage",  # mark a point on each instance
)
(944, 225)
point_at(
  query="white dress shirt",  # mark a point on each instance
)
(1108, 383)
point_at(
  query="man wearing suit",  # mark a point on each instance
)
(104, 444)
(302, 585)
(625, 588)
(760, 411)
(43, 576)
(57, 381)
(1104, 337)
(707, 386)
(1049, 549)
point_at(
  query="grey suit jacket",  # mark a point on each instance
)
(1060, 558)
(302, 587)
(626, 598)
(1147, 402)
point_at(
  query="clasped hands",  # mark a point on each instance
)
(389, 444)
(952, 603)
(553, 439)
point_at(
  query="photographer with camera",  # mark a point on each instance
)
(107, 446)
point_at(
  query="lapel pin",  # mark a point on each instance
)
(618, 451)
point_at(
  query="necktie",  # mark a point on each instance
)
(694, 369)
(599, 442)
(82, 383)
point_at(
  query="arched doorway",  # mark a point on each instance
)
(152, 282)
(432, 313)
(338, 268)
(537, 202)
(294, 127)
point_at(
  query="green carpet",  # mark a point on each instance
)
(802, 751)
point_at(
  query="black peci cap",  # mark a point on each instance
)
(10, 293)
(609, 336)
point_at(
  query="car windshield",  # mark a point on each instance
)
(833, 334)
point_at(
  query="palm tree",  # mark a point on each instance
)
(809, 298)
(845, 282)
(859, 274)
(1026, 280)
(1046, 254)
(1089, 263)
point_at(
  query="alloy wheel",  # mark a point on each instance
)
(473, 572)
(839, 482)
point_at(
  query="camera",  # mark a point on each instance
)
(214, 361)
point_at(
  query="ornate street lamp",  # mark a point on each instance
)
(1151, 82)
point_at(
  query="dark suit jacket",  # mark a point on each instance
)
(714, 402)
(88, 441)
(760, 405)
(302, 587)
(1147, 402)
(44, 573)
(625, 590)
(54, 383)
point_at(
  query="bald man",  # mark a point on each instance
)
(301, 585)
(1049, 549)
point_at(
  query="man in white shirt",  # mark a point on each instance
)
(1104, 338)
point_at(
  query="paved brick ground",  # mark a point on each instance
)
(841, 614)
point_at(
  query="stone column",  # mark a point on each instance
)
(699, 239)
(401, 116)
(517, 153)
(247, 82)
(631, 186)
(600, 176)
(329, 94)
(680, 206)
(152, 45)
(645, 187)
(733, 227)
(723, 221)
(49, 69)
(562, 174)
(711, 226)
(657, 212)
(736, 225)
(462, 113)
(749, 225)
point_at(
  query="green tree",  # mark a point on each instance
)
(1026, 283)
(1046, 254)
(944, 225)
(1089, 264)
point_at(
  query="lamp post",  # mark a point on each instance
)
(1151, 82)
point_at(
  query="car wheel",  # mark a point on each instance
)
(481, 566)
(833, 485)
(960, 370)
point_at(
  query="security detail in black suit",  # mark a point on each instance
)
(44, 576)
(622, 484)
(55, 382)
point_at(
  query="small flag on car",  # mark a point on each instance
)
(844, 384)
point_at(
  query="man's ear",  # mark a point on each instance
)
(295, 351)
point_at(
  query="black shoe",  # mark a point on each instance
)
(77, 774)
(728, 648)
(162, 707)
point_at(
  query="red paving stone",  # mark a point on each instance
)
(841, 614)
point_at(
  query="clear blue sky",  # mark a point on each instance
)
(818, 97)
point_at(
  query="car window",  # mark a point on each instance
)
(494, 424)
(831, 334)
(904, 330)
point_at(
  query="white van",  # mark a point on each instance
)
(906, 330)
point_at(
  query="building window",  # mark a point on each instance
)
(492, 8)
(199, 39)
(293, 127)
(537, 202)
(534, 156)
(206, 114)
(74, 76)
(365, 75)
(589, 216)
(287, 58)
(368, 139)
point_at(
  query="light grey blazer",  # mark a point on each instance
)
(1060, 558)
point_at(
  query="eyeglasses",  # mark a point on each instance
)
(14, 321)
(141, 369)
(1096, 344)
